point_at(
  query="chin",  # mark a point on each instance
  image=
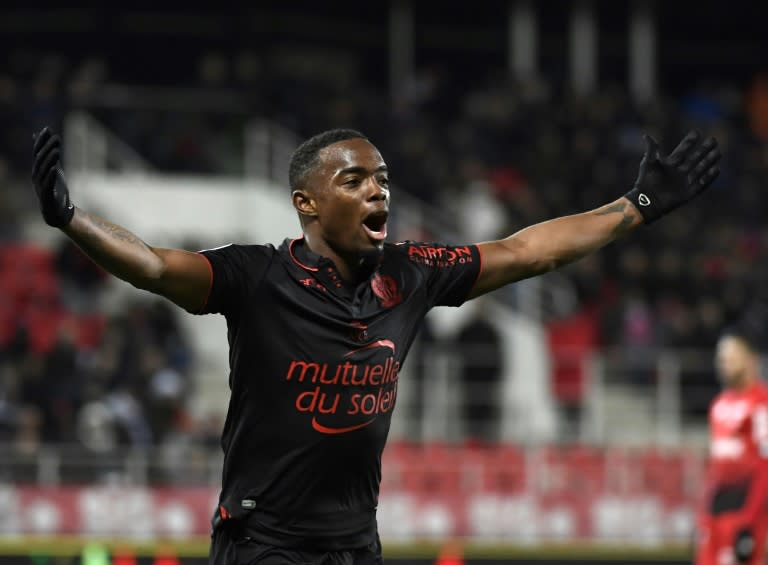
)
(372, 254)
(729, 380)
(368, 245)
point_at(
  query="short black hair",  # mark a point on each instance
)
(305, 158)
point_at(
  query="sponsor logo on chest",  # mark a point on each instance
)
(346, 396)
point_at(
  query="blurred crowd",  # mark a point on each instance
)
(492, 153)
(69, 373)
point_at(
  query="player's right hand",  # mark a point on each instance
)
(664, 183)
(48, 180)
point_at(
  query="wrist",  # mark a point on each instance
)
(634, 211)
(77, 219)
(644, 204)
(61, 217)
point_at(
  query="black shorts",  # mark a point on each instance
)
(227, 549)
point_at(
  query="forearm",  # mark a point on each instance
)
(115, 249)
(554, 243)
(183, 277)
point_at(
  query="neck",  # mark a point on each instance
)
(349, 267)
(745, 382)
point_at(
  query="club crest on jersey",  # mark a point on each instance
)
(385, 289)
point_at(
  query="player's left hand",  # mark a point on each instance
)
(48, 180)
(743, 545)
(664, 183)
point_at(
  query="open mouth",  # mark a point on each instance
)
(375, 225)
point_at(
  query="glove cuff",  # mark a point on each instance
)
(58, 210)
(61, 217)
(647, 204)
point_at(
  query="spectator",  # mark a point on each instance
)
(479, 348)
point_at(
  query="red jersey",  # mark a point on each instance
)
(738, 471)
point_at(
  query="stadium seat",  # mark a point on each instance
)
(664, 475)
(25, 256)
(506, 470)
(90, 329)
(44, 326)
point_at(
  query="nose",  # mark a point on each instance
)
(378, 192)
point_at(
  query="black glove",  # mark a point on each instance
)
(664, 183)
(743, 545)
(48, 179)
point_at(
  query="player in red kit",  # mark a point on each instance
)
(734, 520)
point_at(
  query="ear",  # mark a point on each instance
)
(304, 203)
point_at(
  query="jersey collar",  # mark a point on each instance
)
(303, 256)
(323, 268)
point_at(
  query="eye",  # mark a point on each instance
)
(384, 181)
(351, 182)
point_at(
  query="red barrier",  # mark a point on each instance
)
(435, 491)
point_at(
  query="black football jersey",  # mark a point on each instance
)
(314, 369)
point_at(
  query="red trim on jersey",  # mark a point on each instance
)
(293, 256)
(326, 430)
(379, 343)
(210, 286)
(479, 271)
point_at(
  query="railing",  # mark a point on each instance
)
(458, 395)
(55, 465)
(91, 147)
(268, 150)
(503, 492)
(451, 474)
(659, 400)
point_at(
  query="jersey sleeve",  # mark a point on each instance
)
(757, 497)
(760, 428)
(236, 270)
(450, 271)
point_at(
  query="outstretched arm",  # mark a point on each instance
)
(663, 184)
(181, 276)
(546, 246)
